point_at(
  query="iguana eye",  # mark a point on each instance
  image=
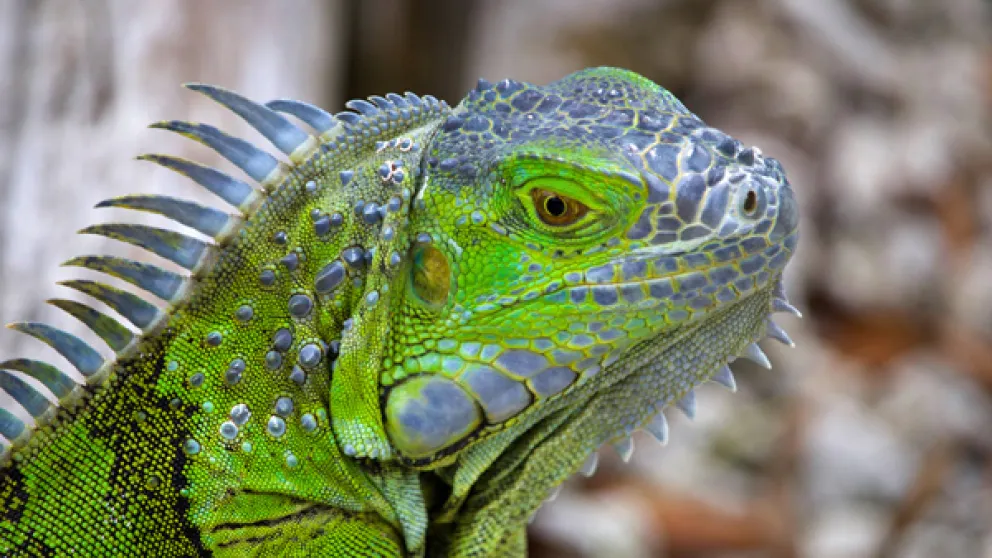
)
(557, 210)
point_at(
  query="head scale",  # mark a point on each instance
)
(561, 229)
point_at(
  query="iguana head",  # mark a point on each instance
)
(569, 238)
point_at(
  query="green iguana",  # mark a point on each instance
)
(416, 327)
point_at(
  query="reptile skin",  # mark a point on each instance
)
(416, 324)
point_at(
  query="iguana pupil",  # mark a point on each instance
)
(555, 206)
(557, 210)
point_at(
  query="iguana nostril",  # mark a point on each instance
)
(750, 202)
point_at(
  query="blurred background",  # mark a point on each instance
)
(873, 438)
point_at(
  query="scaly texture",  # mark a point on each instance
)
(421, 322)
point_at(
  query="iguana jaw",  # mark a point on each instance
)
(510, 474)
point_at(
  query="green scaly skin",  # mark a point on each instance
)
(419, 326)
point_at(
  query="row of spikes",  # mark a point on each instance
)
(657, 425)
(365, 120)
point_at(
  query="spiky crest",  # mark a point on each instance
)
(344, 132)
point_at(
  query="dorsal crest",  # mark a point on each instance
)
(368, 126)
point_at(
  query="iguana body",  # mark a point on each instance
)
(418, 326)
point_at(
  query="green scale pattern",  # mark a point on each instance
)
(416, 325)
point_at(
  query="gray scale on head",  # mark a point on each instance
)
(233, 374)
(371, 213)
(310, 355)
(284, 406)
(280, 237)
(752, 264)
(696, 159)
(322, 225)
(578, 294)
(297, 375)
(308, 422)
(726, 254)
(552, 381)
(521, 362)
(693, 232)
(753, 244)
(501, 397)
(275, 426)
(601, 274)
(631, 270)
(196, 380)
(290, 261)
(300, 306)
(715, 207)
(273, 360)
(244, 313)
(214, 338)
(689, 193)
(354, 256)
(240, 414)
(329, 277)
(610, 335)
(191, 447)
(605, 295)
(372, 298)
(385, 171)
(631, 293)
(581, 341)
(282, 339)
(726, 295)
(716, 174)
(427, 413)
(228, 430)
(662, 159)
(267, 277)
(291, 460)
